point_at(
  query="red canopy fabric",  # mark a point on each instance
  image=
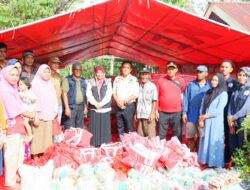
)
(145, 31)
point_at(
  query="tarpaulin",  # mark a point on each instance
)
(145, 31)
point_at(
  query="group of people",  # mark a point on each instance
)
(33, 96)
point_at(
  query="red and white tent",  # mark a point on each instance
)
(145, 31)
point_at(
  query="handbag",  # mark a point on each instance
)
(56, 127)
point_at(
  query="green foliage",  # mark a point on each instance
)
(18, 12)
(178, 3)
(89, 65)
(241, 159)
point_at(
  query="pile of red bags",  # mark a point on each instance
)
(143, 154)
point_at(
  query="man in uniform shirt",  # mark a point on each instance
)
(74, 98)
(146, 104)
(3, 50)
(125, 92)
(54, 63)
(226, 68)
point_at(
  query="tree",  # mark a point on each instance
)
(178, 3)
(18, 12)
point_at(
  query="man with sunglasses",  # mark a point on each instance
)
(74, 98)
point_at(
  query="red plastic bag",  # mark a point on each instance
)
(91, 155)
(112, 149)
(77, 136)
(56, 128)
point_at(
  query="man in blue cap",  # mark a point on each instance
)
(191, 103)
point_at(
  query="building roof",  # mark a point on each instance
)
(238, 12)
(145, 31)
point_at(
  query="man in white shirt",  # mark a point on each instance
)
(125, 92)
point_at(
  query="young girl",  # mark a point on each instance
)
(28, 102)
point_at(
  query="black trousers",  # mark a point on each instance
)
(125, 119)
(167, 119)
(76, 119)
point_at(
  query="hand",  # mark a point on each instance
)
(201, 121)
(68, 112)
(121, 105)
(135, 117)
(184, 118)
(230, 120)
(98, 106)
(157, 115)
(85, 110)
(151, 117)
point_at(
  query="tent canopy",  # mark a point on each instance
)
(145, 31)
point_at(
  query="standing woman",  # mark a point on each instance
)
(239, 108)
(14, 145)
(46, 106)
(211, 149)
(99, 92)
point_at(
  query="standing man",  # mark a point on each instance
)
(3, 50)
(170, 90)
(191, 104)
(146, 105)
(54, 63)
(28, 69)
(74, 98)
(226, 68)
(125, 92)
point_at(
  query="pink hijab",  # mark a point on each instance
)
(45, 92)
(9, 95)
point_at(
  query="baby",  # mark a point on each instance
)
(28, 98)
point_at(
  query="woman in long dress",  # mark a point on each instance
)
(47, 108)
(13, 112)
(99, 92)
(211, 148)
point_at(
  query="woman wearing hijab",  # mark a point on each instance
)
(239, 108)
(14, 143)
(99, 93)
(46, 107)
(211, 148)
(16, 63)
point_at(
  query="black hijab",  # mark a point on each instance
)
(211, 94)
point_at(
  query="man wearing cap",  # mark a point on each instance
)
(170, 90)
(191, 104)
(146, 105)
(54, 63)
(3, 50)
(125, 92)
(99, 93)
(74, 98)
(28, 69)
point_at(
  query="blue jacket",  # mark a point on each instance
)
(192, 99)
(72, 91)
(239, 104)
